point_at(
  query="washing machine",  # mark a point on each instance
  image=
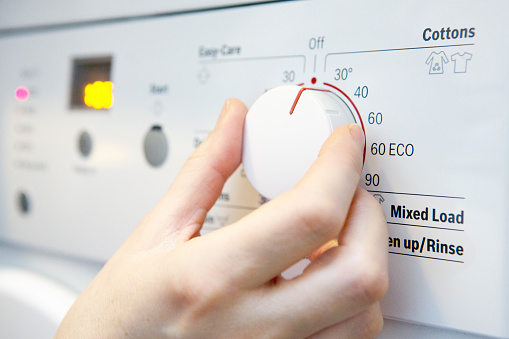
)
(426, 80)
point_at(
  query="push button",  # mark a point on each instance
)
(23, 203)
(155, 146)
(84, 144)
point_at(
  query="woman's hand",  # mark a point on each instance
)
(166, 281)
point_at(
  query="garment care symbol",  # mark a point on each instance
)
(460, 61)
(437, 60)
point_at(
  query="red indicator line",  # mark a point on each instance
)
(300, 93)
(297, 99)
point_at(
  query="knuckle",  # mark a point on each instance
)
(373, 323)
(195, 296)
(370, 282)
(320, 217)
(195, 293)
(189, 291)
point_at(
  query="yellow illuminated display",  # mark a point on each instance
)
(99, 94)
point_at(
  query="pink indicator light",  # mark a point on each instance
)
(22, 93)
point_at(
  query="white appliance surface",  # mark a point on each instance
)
(20, 15)
(428, 79)
(37, 289)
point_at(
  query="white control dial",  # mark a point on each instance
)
(284, 131)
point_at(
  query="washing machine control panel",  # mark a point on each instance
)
(97, 119)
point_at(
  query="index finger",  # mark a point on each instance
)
(288, 228)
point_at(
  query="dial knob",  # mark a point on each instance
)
(283, 133)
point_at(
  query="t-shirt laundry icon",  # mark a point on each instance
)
(460, 62)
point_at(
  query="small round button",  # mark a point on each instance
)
(283, 133)
(84, 144)
(23, 203)
(155, 146)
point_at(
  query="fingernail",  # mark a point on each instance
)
(224, 110)
(357, 134)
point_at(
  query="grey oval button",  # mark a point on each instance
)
(155, 146)
(23, 203)
(85, 144)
